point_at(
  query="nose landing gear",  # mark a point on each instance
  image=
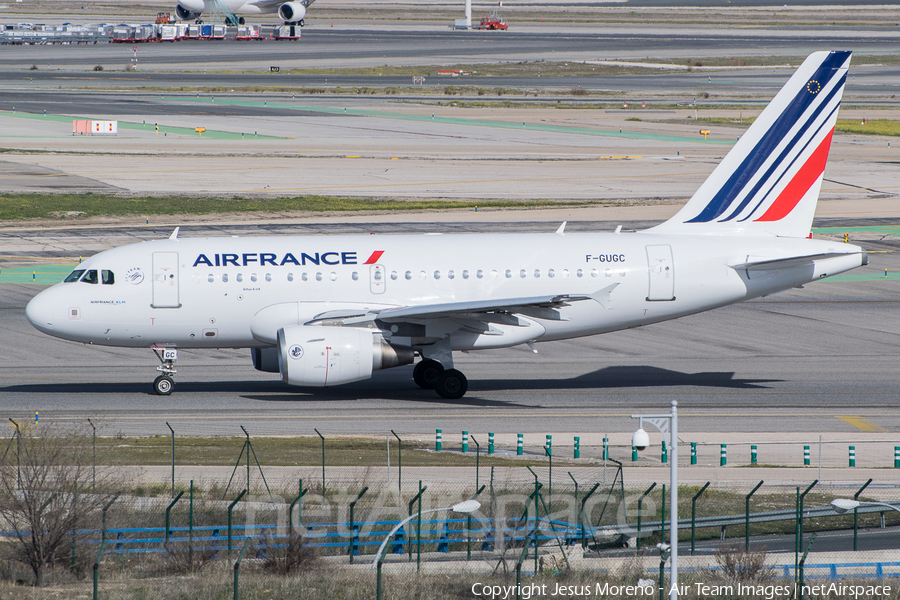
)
(164, 384)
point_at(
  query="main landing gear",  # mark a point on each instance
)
(164, 384)
(448, 383)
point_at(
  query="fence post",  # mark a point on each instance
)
(237, 568)
(231, 508)
(747, 517)
(799, 540)
(413, 501)
(723, 456)
(352, 528)
(97, 567)
(852, 456)
(805, 456)
(168, 511)
(577, 452)
(856, 513)
(752, 455)
(465, 441)
(694, 514)
(323, 461)
(519, 444)
(173, 457)
(106, 508)
(640, 505)
(299, 502)
(399, 466)
(191, 527)
(490, 442)
(437, 440)
(693, 453)
(581, 514)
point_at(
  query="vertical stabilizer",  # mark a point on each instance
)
(769, 182)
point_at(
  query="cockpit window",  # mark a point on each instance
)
(74, 275)
(108, 277)
(90, 277)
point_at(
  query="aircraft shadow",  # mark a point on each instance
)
(398, 386)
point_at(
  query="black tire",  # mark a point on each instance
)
(163, 385)
(426, 373)
(451, 384)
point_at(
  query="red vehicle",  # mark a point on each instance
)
(493, 22)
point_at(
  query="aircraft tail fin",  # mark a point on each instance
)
(769, 182)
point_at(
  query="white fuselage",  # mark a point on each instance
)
(205, 293)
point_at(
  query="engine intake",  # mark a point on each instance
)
(326, 356)
(186, 15)
(291, 11)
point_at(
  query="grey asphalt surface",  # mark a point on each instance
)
(788, 363)
(334, 47)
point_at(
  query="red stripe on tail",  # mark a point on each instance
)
(374, 258)
(800, 184)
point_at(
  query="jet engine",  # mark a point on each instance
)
(184, 14)
(326, 356)
(291, 12)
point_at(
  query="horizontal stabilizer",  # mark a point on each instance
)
(786, 263)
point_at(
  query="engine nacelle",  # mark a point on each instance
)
(325, 356)
(184, 14)
(291, 12)
(265, 359)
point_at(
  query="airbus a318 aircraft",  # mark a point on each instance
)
(291, 12)
(328, 310)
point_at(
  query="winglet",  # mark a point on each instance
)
(174, 235)
(602, 297)
(562, 229)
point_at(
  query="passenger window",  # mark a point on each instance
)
(108, 277)
(224, 277)
(408, 275)
(333, 276)
(537, 273)
(240, 277)
(479, 274)
(90, 277)
(593, 272)
(508, 273)
(210, 278)
(522, 273)
(355, 276)
(551, 273)
(74, 276)
(609, 272)
(394, 275)
(378, 275)
(465, 274)
(451, 274)
(290, 276)
(318, 277)
(252, 276)
(423, 275)
(565, 272)
(268, 277)
(579, 272)
(493, 274)
(304, 277)
(437, 274)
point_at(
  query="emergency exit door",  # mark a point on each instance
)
(662, 273)
(165, 280)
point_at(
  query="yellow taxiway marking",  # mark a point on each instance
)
(861, 423)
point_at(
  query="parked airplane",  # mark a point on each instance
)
(290, 12)
(327, 310)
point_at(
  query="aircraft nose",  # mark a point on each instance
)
(40, 312)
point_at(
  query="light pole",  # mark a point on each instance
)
(640, 440)
(844, 505)
(465, 507)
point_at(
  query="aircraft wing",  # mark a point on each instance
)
(274, 4)
(783, 263)
(535, 305)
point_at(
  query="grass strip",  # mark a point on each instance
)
(72, 207)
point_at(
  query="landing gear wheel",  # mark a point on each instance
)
(451, 384)
(163, 385)
(426, 373)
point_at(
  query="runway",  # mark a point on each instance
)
(794, 362)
